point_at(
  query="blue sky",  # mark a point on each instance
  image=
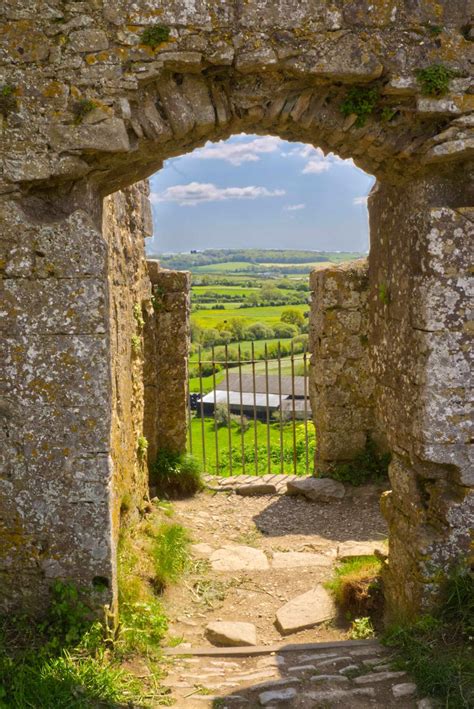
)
(259, 192)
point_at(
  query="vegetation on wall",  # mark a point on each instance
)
(360, 101)
(368, 466)
(8, 100)
(81, 108)
(434, 80)
(175, 475)
(155, 35)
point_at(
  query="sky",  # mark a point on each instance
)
(259, 192)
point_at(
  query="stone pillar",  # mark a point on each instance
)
(167, 339)
(56, 470)
(421, 354)
(341, 386)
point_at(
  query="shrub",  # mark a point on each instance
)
(292, 316)
(221, 415)
(367, 466)
(434, 80)
(258, 331)
(170, 554)
(285, 329)
(175, 475)
(438, 649)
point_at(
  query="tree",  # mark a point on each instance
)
(292, 316)
(259, 331)
(285, 329)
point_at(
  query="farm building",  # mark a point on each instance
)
(242, 393)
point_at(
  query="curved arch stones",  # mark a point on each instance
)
(88, 108)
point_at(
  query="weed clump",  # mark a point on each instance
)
(360, 101)
(175, 475)
(155, 35)
(368, 466)
(434, 80)
(438, 649)
(357, 587)
(81, 108)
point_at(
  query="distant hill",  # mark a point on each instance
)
(253, 260)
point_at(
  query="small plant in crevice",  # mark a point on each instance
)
(8, 100)
(384, 293)
(434, 80)
(136, 343)
(138, 315)
(368, 466)
(360, 101)
(388, 114)
(142, 447)
(175, 475)
(434, 30)
(438, 649)
(154, 36)
(81, 108)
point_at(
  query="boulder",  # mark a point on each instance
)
(316, 489)
(231, 634)
(305, 611)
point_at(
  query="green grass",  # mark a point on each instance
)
(224, 290)
(266, 314)
(369, 465)
(225, 267)
(438, 649)
(175, 475)
(170, 553)
(259, 465)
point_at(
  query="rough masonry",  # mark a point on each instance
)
(93, 97)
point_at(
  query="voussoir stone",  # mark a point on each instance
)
(256, 489)
(305, 611)
(238, 557)
(230, 634)
(316, 489)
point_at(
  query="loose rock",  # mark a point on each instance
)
(406, 689)
(231, 634)
(317, 489)
(256, 489)
(305, 611)
(236, 558)
(281, 695)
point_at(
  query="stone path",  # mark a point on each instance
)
(260, 563)
(351, 675)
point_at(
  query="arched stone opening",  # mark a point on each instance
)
(99, 111)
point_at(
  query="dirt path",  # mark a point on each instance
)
(273, 525)
(296, 542)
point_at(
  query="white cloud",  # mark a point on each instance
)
(316, 161)
(238, 153)
(294, 207)
(197, 192)
(360, 200)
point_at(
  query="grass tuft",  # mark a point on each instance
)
(170, 553)
(175, 475)
(434, 80)
(356, 586)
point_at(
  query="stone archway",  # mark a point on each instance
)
(93, 100)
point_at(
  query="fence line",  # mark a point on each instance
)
(257, 417)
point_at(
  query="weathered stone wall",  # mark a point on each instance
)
(87, 107)
(421, 354)
(126, 223)
(167, 337)
(341, 383)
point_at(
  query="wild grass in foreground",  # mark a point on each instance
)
(438, 649)
(70, 660)
(175, 475)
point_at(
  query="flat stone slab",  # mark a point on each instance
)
(282, 695)
(251, 489)
(316, 489)
(305, 611)
(406, 689)
(238, 558)
(296, 559)
(231, 634)
(346, 550)
(202, 549)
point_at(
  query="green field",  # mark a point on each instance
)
(267, 314)
(223, 290)
(226, 267)
(282, 457)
